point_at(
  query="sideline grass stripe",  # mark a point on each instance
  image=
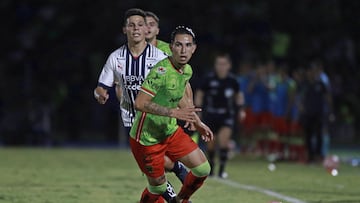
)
(257, 189)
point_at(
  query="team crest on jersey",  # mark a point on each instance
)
(161, 70)
(149, 65)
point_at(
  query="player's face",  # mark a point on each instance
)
(135, 29)
(153, 28)
(222, 65)
(183, 48)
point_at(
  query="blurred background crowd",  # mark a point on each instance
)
(52, 53)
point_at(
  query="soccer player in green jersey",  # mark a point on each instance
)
(153, 30)
(155, 133)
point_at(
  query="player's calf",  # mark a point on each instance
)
(180, 171)
(194, 181)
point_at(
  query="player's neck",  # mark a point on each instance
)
(137, 48)
(176, 65)
(153, 41)
(221, 75)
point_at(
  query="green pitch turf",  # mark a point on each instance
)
(107, 176)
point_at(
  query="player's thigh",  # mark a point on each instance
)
(224, 136)
(169, 165)
(181, 147)
(194, 159)
(150, 159)
(211, 145)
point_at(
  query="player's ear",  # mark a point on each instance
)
(193, 48)
(124, 29)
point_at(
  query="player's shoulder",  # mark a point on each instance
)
(161, 42)
(232, 76)
(154, 52)
(119, 52)
(209, 75)
(188, 69)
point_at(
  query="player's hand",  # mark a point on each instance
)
(101, 95)
(190, 126)
(241, 115)
(205, 132)
(185, 114)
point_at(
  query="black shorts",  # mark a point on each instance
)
(217, 121)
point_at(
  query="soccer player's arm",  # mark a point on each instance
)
(144, 100)
(106, 81)
(188, 98)
(240, 102)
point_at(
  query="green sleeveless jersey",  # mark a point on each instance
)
(163, 46)
(167, 86)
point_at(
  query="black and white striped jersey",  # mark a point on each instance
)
(129, 73)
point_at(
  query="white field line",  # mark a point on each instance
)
(257, 189)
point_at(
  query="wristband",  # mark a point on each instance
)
(96, 95)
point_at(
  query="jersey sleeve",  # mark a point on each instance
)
(153, 81)
(106, 78)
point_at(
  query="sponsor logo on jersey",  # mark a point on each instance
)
(133, 87)
(161, 70)
(149, 65)
(134, 78)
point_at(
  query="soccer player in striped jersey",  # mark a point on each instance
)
(127, 67)
(155, 131)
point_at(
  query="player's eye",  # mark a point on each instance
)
(189, 44)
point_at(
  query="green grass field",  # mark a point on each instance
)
(111, 175)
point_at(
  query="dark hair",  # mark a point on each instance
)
(134, 12)
(222, 55)
(153, 15)
(182, 30)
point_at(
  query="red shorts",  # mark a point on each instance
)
(263, 119)
(280, 125)
(151, 158)
(295, 127)
(249, 122)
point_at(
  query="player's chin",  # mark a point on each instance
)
(183, 61)
(138, 39)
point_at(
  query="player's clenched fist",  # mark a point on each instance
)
(101, 95)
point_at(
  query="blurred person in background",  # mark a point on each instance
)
(222, 101)
(328, 117)
(259, 90)
(315, 97)
(127, 67)
(296, 142)
(152, 21)
(244, 76)
(283, 93)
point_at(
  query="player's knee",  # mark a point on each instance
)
(157, 181)
(201, 170)
(158, 189)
